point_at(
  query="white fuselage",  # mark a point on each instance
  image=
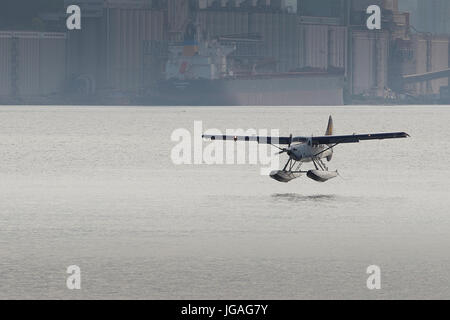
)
(305, 152)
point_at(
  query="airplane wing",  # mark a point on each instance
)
(355, 138)
(259, 139)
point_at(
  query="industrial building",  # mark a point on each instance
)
(121, 49)
(32, 64)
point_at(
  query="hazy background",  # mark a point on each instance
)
(131, 52)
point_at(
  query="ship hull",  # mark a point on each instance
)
(268, 91)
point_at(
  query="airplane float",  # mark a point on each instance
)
(309, 149)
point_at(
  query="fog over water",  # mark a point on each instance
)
(96, 187)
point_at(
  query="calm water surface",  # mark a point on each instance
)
(96, 187)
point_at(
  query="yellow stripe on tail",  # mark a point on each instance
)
(329, 131)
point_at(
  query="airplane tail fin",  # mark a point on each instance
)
(329, 131)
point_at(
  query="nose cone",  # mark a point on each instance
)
(294, 153)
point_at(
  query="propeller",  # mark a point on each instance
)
(288, 149)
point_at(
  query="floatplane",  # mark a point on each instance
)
(312, 149)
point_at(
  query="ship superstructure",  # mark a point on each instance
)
(228, 71)
(193, 60)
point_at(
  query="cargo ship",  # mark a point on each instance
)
(214, 73)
